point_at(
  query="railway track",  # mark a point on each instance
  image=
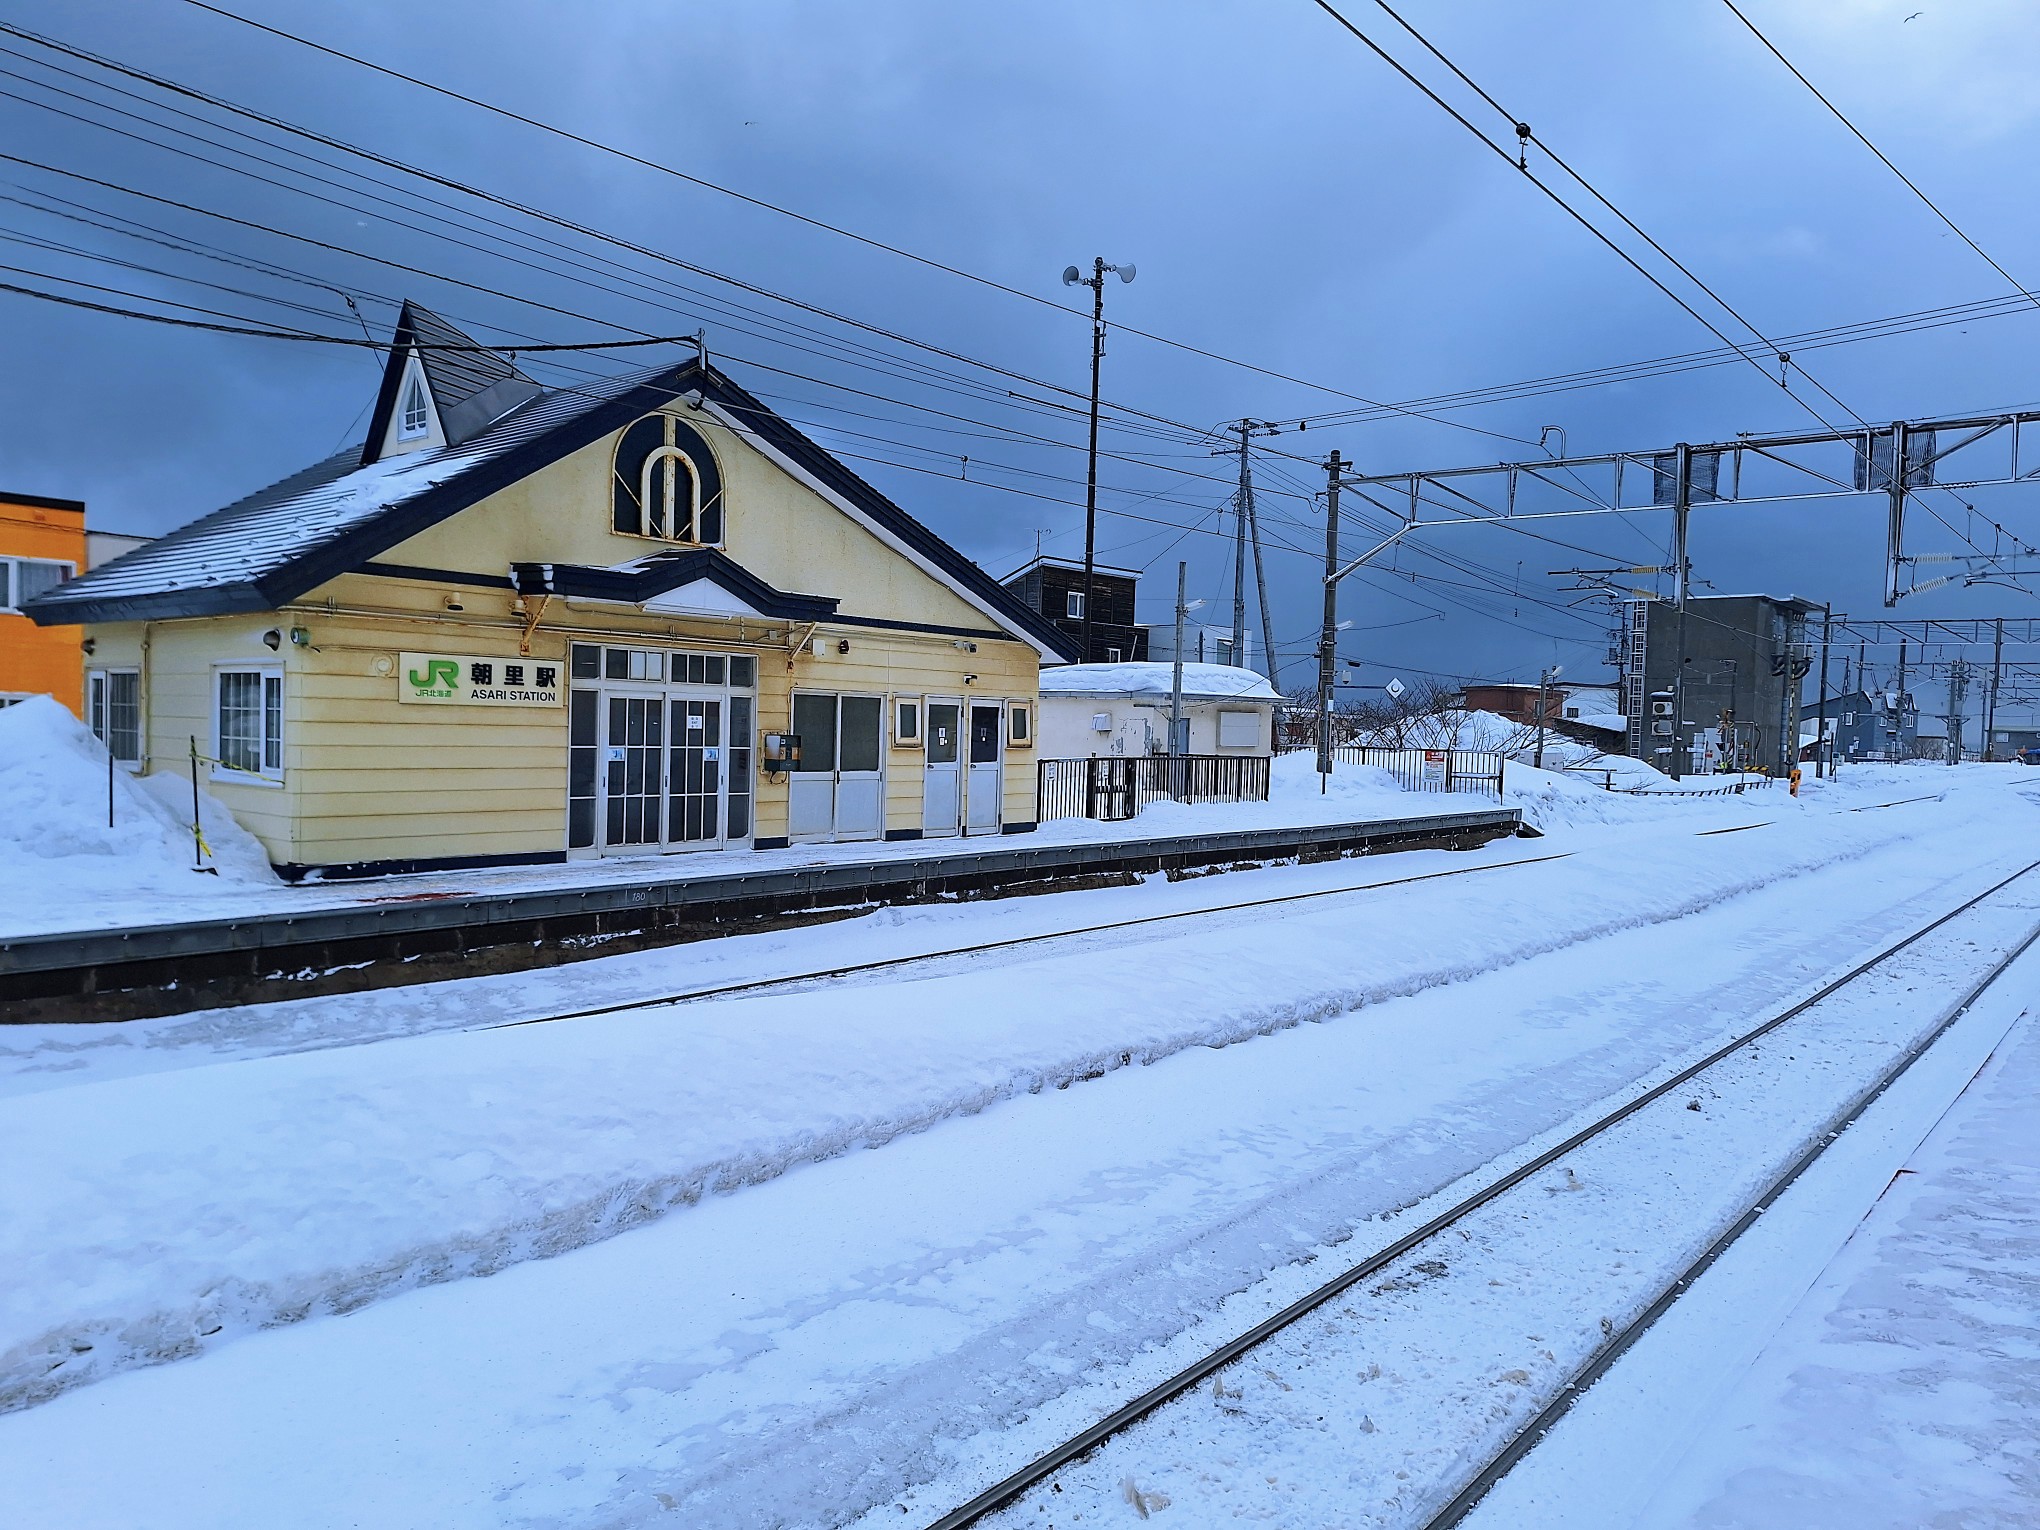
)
(1617, 1340)
(953, 953)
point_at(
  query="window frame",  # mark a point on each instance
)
(678, 442)
(670, 502)
(101, 675)
(414, 387)
(10, 597)
(1073, 605)
(908, 735)
(268, 775)
(1019, 725)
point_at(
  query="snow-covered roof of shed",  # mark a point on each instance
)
(1155, 681)
(1611, 722)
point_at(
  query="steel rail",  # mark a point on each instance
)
(1007, 1489)
(1533, 1433)
(880, 964)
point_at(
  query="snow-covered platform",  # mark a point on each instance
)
(297, 935)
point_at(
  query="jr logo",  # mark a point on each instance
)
(439, 673)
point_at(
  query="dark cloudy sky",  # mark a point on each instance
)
(1289, 202)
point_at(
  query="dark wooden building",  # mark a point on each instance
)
(1055, 588)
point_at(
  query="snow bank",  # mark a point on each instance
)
(1156, 680)
(55, 841)
(152, 1217)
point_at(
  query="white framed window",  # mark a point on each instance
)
(22, 579)
(248, 724)
(1073, 604)
(113, 710)
(1113, 655)
(906, 733)
(417, 410)
(1020, 724)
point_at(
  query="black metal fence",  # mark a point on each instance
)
(1432, 770)
(1115, 787)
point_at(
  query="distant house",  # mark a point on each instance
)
(1124, 709)
(1053, 588)
(1871, 725)
(1518, 703)
(1203, 643)
(44, 543)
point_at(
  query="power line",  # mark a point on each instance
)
(280, 124)
(1883, 158)
(1525, 137)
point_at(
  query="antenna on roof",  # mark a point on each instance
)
(701, 345)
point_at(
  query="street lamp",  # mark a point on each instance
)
(1074, 277)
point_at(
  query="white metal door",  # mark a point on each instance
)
(860, 781)
(985, 794)
(942, 779)
(811, 786)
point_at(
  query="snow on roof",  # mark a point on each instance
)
(1156, 681)
(1612, 722)
(261, 534)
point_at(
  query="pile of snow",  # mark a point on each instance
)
(1157, 680)
(55, 838)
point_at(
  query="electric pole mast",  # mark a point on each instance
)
(1239, 567)
(1073, 277)
(1958, 688)
(1328, 635)
(1997, 676)
(1682, 507)
(1249, 529)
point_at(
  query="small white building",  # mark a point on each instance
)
(1124, 709)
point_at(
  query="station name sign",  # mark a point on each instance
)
(447, 679)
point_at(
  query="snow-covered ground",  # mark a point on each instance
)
(783, 1257)
(1841, 1371)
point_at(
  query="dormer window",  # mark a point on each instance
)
(417, 413)
(665, 485)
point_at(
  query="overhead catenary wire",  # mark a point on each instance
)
(1526, 136)
(1884, 159)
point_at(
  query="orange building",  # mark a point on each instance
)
(42, 544)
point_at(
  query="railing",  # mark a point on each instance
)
(1113, 788)
(1431, 770)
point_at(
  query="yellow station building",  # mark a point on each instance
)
(523, 625)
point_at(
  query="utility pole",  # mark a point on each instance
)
(1958, 688)
(1997, 676)
(1239, 567)
(1682, 507)
(1249, 529)
(1328, 636)
(1827, 632)
(1072, 277)
(1176, 689)
(1269, 662)
(1900, 735)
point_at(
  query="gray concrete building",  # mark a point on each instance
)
(1744, 659)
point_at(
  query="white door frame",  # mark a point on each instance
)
(984, 809)
(942, 782)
